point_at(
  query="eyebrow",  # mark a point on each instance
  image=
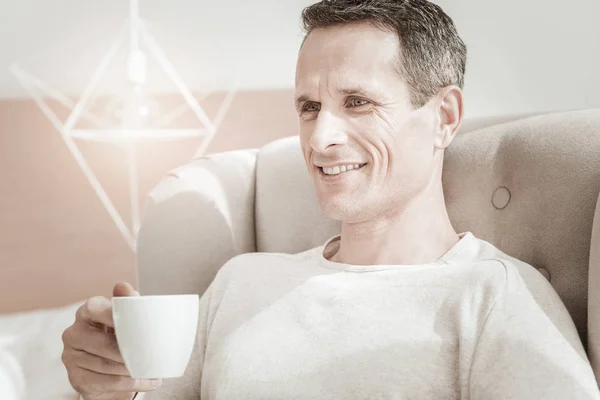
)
(301, 99)
(346, 92)
(353, 91)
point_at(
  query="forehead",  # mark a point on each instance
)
(350, 54)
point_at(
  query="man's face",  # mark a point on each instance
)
(354, 108)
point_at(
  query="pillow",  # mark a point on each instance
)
(30, 354)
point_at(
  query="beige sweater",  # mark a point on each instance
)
(475, 324)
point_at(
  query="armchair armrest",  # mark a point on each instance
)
(593, 339)
(196, 219)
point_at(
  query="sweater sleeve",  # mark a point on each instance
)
(526, 348)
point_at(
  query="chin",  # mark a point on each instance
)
(340, 209)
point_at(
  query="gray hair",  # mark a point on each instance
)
(431, 55)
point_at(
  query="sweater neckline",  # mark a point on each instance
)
(332, 244)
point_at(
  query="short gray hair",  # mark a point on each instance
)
(432, 55)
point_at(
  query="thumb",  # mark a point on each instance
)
(124, 289)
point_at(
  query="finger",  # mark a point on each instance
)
(124, 289)
(117, 383)
(97, 310)
(94, 363)
(94, 341)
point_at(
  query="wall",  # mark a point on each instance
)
(57, 242)
(526, 56)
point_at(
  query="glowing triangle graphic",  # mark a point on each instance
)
(39, 91)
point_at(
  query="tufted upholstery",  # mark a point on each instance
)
(527, 184)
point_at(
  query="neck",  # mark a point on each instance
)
(419, 234)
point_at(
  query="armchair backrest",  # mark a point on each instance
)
(529, 185)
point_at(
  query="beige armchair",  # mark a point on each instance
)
(527, 184)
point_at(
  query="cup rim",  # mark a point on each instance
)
(155, 296)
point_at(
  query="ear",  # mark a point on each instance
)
(449, 111)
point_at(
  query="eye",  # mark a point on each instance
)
(357, 102)
(311, 107)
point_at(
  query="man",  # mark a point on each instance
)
(399, 305)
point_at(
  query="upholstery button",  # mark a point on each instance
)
(501, 197)
(545, 272)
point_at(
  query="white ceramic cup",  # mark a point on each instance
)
(156, 334)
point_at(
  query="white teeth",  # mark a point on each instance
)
(338, 170)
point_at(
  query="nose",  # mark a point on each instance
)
(329, 130)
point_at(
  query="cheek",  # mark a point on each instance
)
(413, 157)
(304, 135)
(377, 142)
(410, 157)
(412, 169)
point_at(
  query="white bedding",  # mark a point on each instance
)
(30, 351)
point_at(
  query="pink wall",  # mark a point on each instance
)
(57, 243)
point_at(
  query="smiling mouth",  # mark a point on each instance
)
(339, 172)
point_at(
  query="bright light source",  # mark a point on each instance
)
(144, 111)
